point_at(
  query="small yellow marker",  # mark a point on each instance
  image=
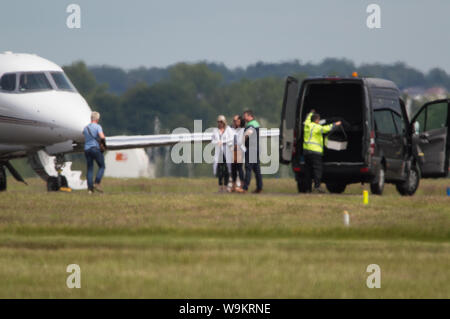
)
(346, 218)
(365, 197)
(65, 189)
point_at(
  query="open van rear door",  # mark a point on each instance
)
(431, 134)
(288, 119)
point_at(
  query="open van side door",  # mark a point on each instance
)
(288, 119)
(430, 127)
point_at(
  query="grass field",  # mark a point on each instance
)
(177, 238)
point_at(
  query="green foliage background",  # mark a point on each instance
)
(158, 100)
(131, 100)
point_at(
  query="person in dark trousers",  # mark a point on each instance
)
(222, 138)
(313, 148)
(93, 136)
(236, 166)
(251, 137)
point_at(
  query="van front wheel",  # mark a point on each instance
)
(336, 188)
(377, 186)
(410, 185)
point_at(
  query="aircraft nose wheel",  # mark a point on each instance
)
(54, 183)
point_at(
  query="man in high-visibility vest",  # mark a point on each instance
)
(313, 147)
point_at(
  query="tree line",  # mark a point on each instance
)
(190, 91)
(131, 101)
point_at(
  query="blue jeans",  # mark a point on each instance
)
(255, 167)
(94, 154)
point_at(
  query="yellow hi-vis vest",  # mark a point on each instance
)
(313, 135)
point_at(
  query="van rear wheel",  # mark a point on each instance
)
(377, 186)
(336, 188)
(410, 185)
(303, 185)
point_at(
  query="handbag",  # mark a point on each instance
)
(237, 155)
(237, 152)
(101, 141)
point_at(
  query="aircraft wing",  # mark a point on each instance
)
(130, 141)
(145, 141)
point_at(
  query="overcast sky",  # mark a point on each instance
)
(236, 32)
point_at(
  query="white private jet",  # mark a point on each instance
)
(40, 110)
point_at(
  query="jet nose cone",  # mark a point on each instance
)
(74, 116)
(77, 124)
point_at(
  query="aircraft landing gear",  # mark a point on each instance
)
(2, 178)
(13, 172)
(56, 183)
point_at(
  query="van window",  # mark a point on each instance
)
(432, 117)
(436, 116)
(384, 122)
(399, 123)
(8, 82)
(34, 82)
(420, 119)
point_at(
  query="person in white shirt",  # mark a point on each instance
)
(238, 158)
(222, 138)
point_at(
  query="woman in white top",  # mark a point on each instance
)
(238, 158)
(222, 138)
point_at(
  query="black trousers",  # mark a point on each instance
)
(255, 167)
(314, 168)
(236, 168)
(222, 174)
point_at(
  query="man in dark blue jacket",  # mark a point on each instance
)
(251, 136)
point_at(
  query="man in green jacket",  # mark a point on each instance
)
(313, 147)
(251, 139)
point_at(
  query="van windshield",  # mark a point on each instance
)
(34, 82)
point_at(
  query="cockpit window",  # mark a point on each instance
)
(8, 82)
(61, 81)
(34, 82)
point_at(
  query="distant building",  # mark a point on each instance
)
(415, 92)
(438, 92)
(421, 93)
